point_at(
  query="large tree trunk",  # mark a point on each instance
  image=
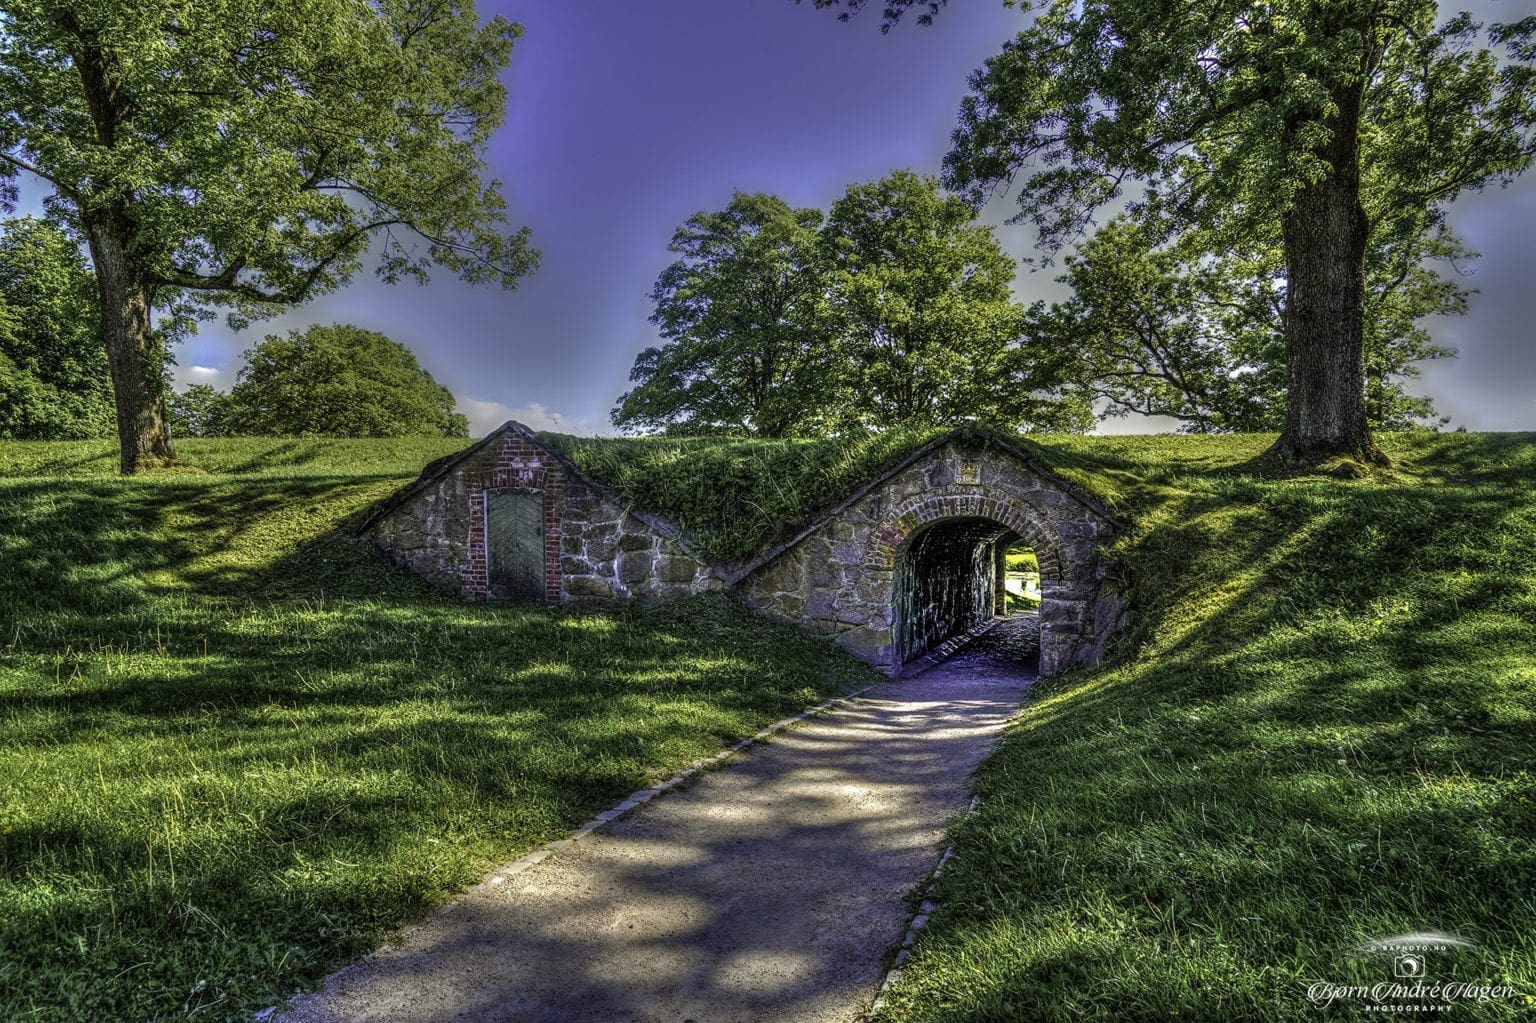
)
(133, 352)
(1325, 234)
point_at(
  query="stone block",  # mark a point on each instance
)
(631, 541)
(822, 575)
(602, 541)
(677, 570)
(820, 605)
(587, 586)
(635, 568)
(867, 645)
(790, 604)
(854, 614)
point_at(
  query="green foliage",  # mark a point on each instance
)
(53, 369)
(337, 381)
(1224, 110)
(1319, 733)
(735, 496)
(740, 306)
(239, 748)
(897, 313)
(199, 411)
(922, 307)
(1171, 329)
(1023, 560)
(247, 153)
(1330, 126)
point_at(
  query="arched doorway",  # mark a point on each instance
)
(862, 573)
(957, 574)
(947, 560)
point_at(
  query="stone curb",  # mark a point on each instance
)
(635, 800)
(919, 921)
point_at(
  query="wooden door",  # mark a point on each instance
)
(514, 544)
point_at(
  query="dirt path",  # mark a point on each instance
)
(770, 890)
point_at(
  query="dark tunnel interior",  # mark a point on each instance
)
(949, 580)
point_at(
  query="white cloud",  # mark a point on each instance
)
(485, 416)
(182, 376)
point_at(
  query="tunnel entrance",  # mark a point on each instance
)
(957, 574)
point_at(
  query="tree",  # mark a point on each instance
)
(920, 296)
(896, 311)
(1264, 118)
(740, 308)
(246, 153)
(1195, 333)
(339, 381)
(52, 368)
(200, 411)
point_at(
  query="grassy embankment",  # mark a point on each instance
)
(236, 748)
(1322, 732)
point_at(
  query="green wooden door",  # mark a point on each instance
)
(514, 544)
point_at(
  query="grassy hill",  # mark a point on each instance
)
(237, 747)
(1322, 733)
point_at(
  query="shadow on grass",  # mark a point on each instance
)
(236, 746)
(1320, 734)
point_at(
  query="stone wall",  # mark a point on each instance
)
(596, 550)
(898, 567)
(608, 553)
(840, 579)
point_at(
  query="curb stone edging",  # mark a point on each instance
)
(919, 921)
(618, 811)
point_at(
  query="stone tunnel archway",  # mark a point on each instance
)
(840, 575)
(939, 552)
(947, 583)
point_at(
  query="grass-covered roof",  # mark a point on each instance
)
(734, 497)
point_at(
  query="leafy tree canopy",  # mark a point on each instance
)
(53, 370)
(246, 153)
(339, 381)
(740, 305)
(893, 311)
(200, 411)
(1326, 124)
(922, 309)
(1193, 331)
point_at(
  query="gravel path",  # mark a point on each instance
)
(769, 890)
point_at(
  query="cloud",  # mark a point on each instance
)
(485, 416)
(182, 376)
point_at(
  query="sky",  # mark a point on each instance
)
(625, 118)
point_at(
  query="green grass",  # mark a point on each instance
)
(1322, 731)
(735, 496)
(237, 748)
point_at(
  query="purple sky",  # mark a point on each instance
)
(626, 117)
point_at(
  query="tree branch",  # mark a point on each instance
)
(23, 165)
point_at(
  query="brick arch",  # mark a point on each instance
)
(914, 514)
